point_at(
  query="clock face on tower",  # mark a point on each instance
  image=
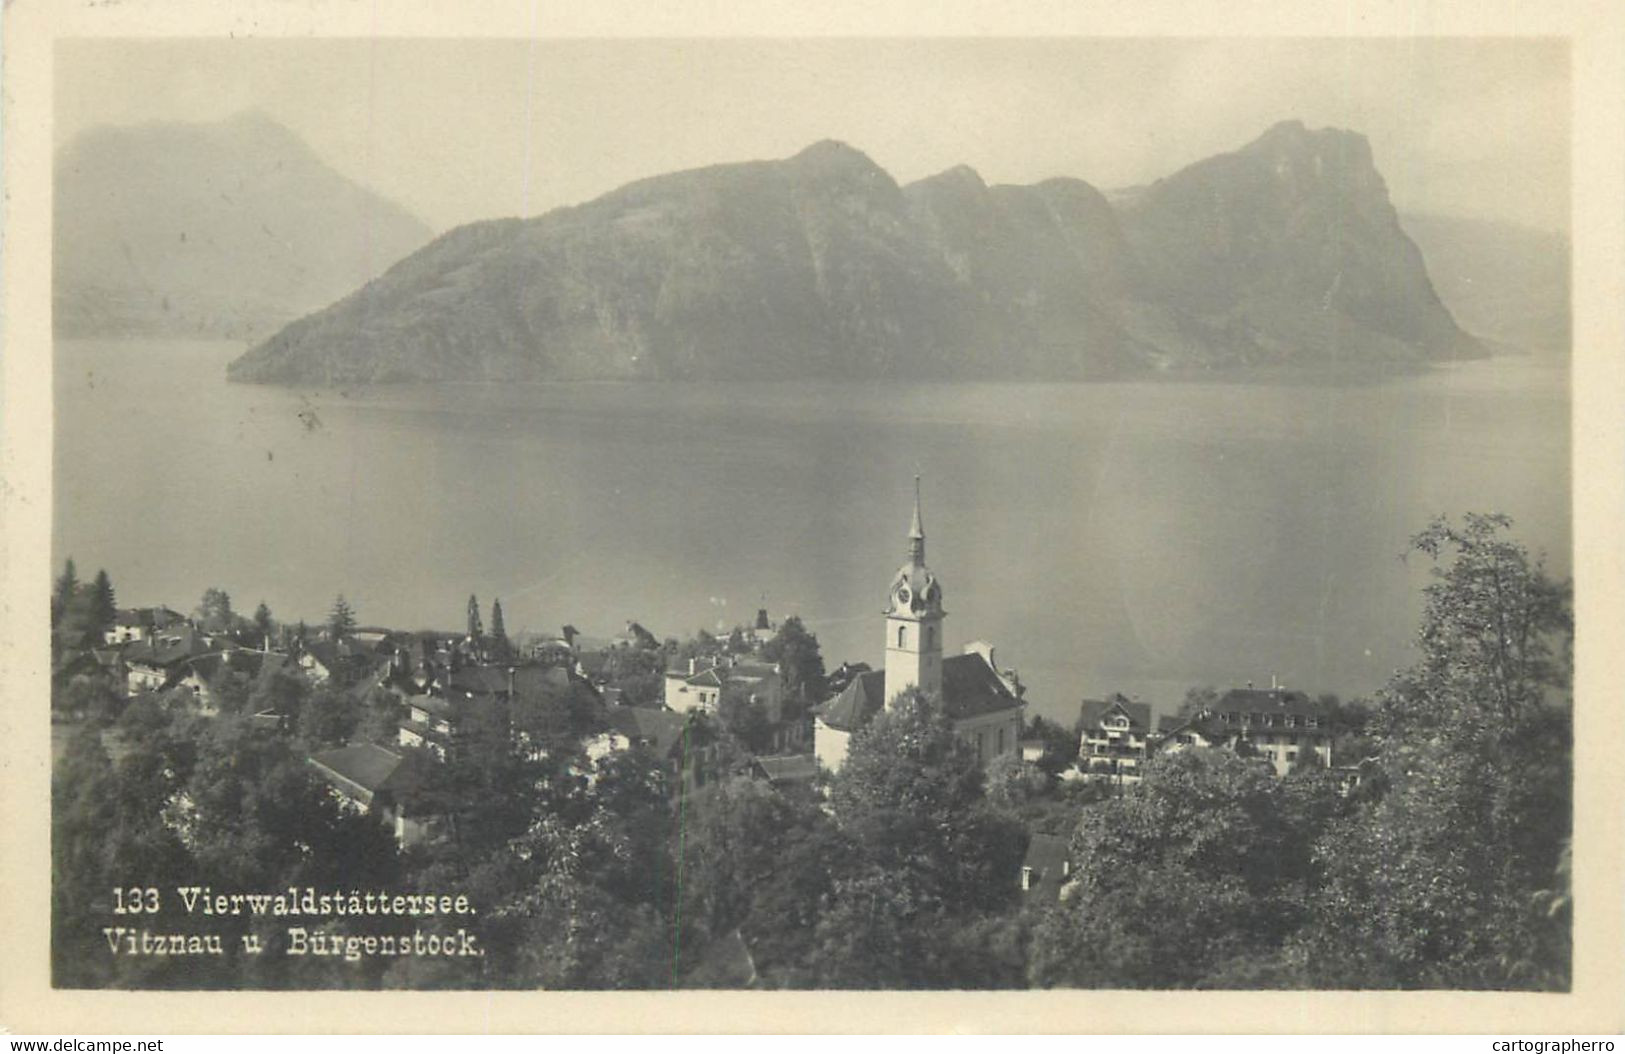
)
(903, 595)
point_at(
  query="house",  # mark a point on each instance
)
(157, 661)
(429, 724)
(1114, 738)
(982, 702)
(686, 748)
(1046, 867)
(200, 675)
(700, 685)
(372, 780)
(132, 624)
(694, 688)
(342, 661)
(1282, 727)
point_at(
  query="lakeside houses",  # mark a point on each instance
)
(561, 693)
(1114, 739)
(1283, 728)
(202, 675)
(982, 703)
(132, 624)
(154, 662)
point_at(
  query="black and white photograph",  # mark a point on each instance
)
(811, 513)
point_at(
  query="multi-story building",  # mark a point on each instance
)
(983, 703)
(1287, 729)
(1114, 738)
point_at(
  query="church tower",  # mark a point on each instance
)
(914, 619)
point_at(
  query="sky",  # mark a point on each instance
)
(460, 130)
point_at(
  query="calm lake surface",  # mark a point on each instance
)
(1139, 537)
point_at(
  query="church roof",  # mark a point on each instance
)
(970, 688)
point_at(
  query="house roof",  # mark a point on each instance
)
(158, 617)
(662, 730)
(970, 688)
(862, 698)
(431, 704)
(364, 767)
(248, 663)
(788, 768)
(705, 679)
(1268, 700)
(164, 651)
(1093, 711)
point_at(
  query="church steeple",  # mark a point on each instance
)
(916, 533)
(914, 618)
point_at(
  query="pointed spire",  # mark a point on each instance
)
(916, 533)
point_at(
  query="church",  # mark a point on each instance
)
(983, 703)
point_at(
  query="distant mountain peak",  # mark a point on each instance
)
(828, 149)
(959, 176)
(1295, 139)
(223, 228)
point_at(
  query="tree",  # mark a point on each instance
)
(263, 623)
(1436, 883)
(328, 718)
(796, 652)
(1197, 867)
(731, 840)
(341, 619)
(214, 612)
(103, 604)
(909, 794)
(476, 629)
(1060, 745)
(62, 593)
(381, 716)
(500, 648)
(746, 719)
(1012, 781)
(1198, 699)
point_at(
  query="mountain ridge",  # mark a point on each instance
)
(1285, 252)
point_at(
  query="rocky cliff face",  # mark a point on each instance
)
(224, 230)
(820, 265)
(1289, 250)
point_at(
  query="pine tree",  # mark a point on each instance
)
(341, 620)
(499, 634)
(104, 606)
(66, 584)
(476, 629)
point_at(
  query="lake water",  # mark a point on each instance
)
(1140, 537)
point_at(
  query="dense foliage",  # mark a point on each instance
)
(593, 867)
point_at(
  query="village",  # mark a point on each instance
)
(373, 706)
(723, 810)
